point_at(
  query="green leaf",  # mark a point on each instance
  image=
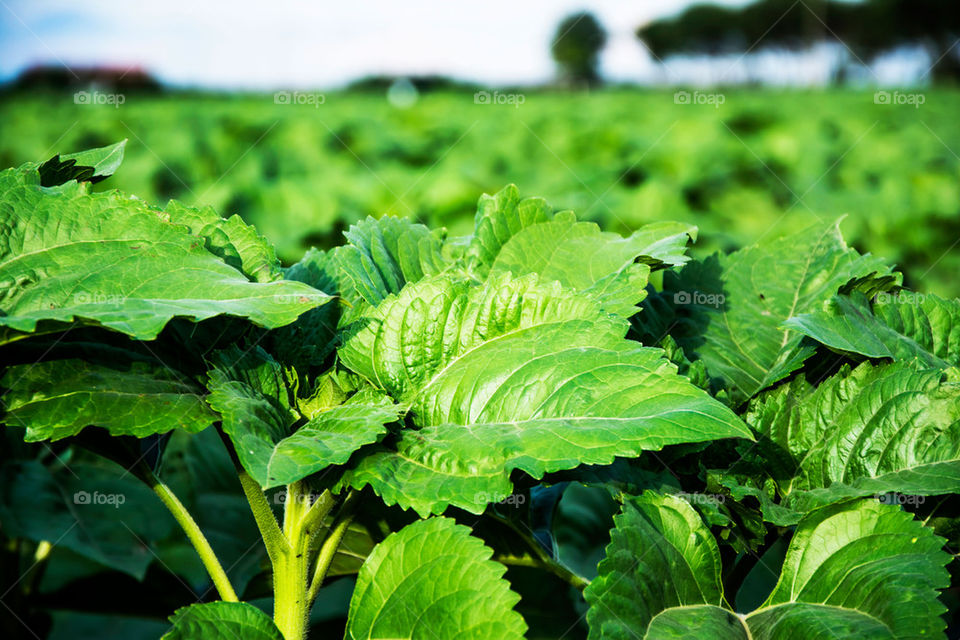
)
(58, 398)
(328, 439)
(499, 217)
(733, 307)
(233, 240)
(521, 237)
(660, 556)
(104, 258)
(250, 394)
(356, 545)
(383, 255)
(96, 509)
(411, 336)
(92, 165)
(311, 338)
(76, 625)
(513, 375)
(902, 326)
(222, 621)
(877, 429)
(853, 570)
(433, 581)
(580, 524)
(872, 558)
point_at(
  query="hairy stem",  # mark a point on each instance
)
(332, 543)
(291, 606)
(194, 534)
(273, 538)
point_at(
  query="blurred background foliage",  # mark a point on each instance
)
(762, 162)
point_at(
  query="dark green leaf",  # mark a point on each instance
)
(902, 326)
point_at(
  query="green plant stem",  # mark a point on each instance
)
(301, 520)
(40, 557)
(290, 606)
(332, 542)
(555, 568)
(273, 538)
(194, 534)
(540, 559)
(313, 519)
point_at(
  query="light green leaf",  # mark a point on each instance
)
(222, 621)
(411, 336)
(432, 580)
(383, 255)
(104, 258)
(872, 558)
(233, 240)
(521, 237)
(694, 623)
(733, 307)
(250, 395)
(92, 165)
(902, 326)
(328, 439)
(58, 398)
(877, 429)
(660, 556)
(514, 375)
(499, 217)
(853, 570)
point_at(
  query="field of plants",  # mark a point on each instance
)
(604, 365)
(761, 162)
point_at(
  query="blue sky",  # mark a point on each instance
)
(300, 44)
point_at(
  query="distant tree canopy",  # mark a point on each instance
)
(57, 77)
(869, 28)
(576, 48)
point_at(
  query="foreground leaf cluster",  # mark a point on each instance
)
(750, 416)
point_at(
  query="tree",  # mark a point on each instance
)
(868, 29)
(576, 48)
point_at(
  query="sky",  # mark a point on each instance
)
(299, 44)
